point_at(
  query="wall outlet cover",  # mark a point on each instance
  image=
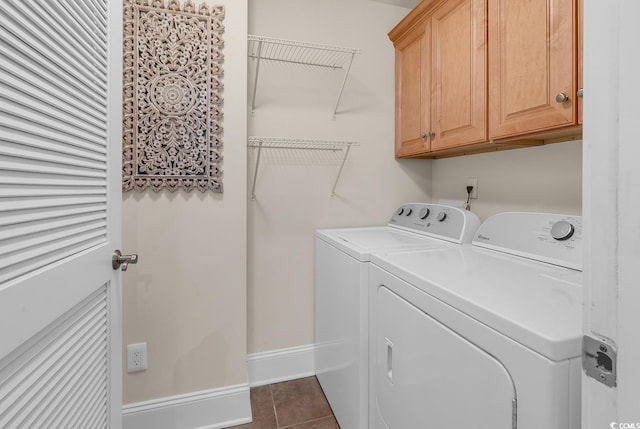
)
(136, 357)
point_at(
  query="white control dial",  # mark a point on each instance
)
(409, 211)
(562, 230)
(400, 211)
(424, 213)
(442, 216)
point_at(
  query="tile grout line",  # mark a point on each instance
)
(307, 421)
(273, 406)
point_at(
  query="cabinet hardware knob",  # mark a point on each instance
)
(423, 135)
(579, 93)
(432, 134)
(562, 97)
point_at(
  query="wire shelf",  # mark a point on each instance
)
(295, 52)
(302, 53)
(283, 143)
(260, 143)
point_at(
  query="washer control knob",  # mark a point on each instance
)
(442, 216)
(408, 212)
(562, 230)
(400, 211)
(424, 213)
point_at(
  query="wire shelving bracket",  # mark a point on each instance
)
(261, 143)
(302, 53)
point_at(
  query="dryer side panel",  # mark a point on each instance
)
(341, 355)
(426, 375)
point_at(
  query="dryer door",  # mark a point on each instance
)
(427, 376)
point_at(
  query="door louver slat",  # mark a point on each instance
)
(65, 25)
(54, 133)
(52, 45)
(53, 145)
(29, 113)
(50, 213)
(18, 151)
(59, 378)
(14, 89)
(16, 35)
(53, 77)
(79, 11)
(36, 376)
(54, 31)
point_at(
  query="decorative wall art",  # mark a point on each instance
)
(172, 132)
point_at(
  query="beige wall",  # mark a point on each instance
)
(194, 298)
(545, 179)
(293, 186)
(187, 296)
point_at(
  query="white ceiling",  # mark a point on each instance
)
(403, 3)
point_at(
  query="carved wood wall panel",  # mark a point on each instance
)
(172, 84)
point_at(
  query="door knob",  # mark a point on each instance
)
(423, 135)
(118, 260)
(562, 97)
(580, 93)
(432, 134)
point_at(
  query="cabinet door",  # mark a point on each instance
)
(531, 61)
(459, 77)
(412, 104)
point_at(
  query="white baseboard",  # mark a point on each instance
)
(207, 409)
(280, 365)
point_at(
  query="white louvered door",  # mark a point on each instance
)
(60, 209)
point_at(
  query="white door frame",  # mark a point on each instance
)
(611, 203)
(114, 25)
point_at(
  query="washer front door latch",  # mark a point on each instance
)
(599, 360)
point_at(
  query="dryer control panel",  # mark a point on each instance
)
(436, 220)
(552, 238)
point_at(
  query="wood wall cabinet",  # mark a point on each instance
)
(441, 78)
(412, 101)
(482, 75)
(532, 66)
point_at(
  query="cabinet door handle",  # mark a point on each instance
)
(423, 136)
(580, 92)
(432, 134)
(562, 97)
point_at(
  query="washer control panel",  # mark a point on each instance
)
(436, 220)
(546, 237)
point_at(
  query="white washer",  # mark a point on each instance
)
(482, 336)
(342, 267)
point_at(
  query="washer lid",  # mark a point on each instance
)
(360, 242)
(536, 304)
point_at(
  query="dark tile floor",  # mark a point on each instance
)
(295, 404)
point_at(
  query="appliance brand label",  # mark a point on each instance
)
(482, 237)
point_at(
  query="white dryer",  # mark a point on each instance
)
(342, 298)
(486, 336)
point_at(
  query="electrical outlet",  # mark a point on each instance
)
(136, 357)
(473, 181)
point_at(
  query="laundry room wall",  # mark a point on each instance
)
(542, 179)
(186, 298)
(293, 186)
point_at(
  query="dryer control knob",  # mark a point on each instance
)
(442, 216)
(562, 230)
(424, 213)
(400, 211)
(409, 211)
